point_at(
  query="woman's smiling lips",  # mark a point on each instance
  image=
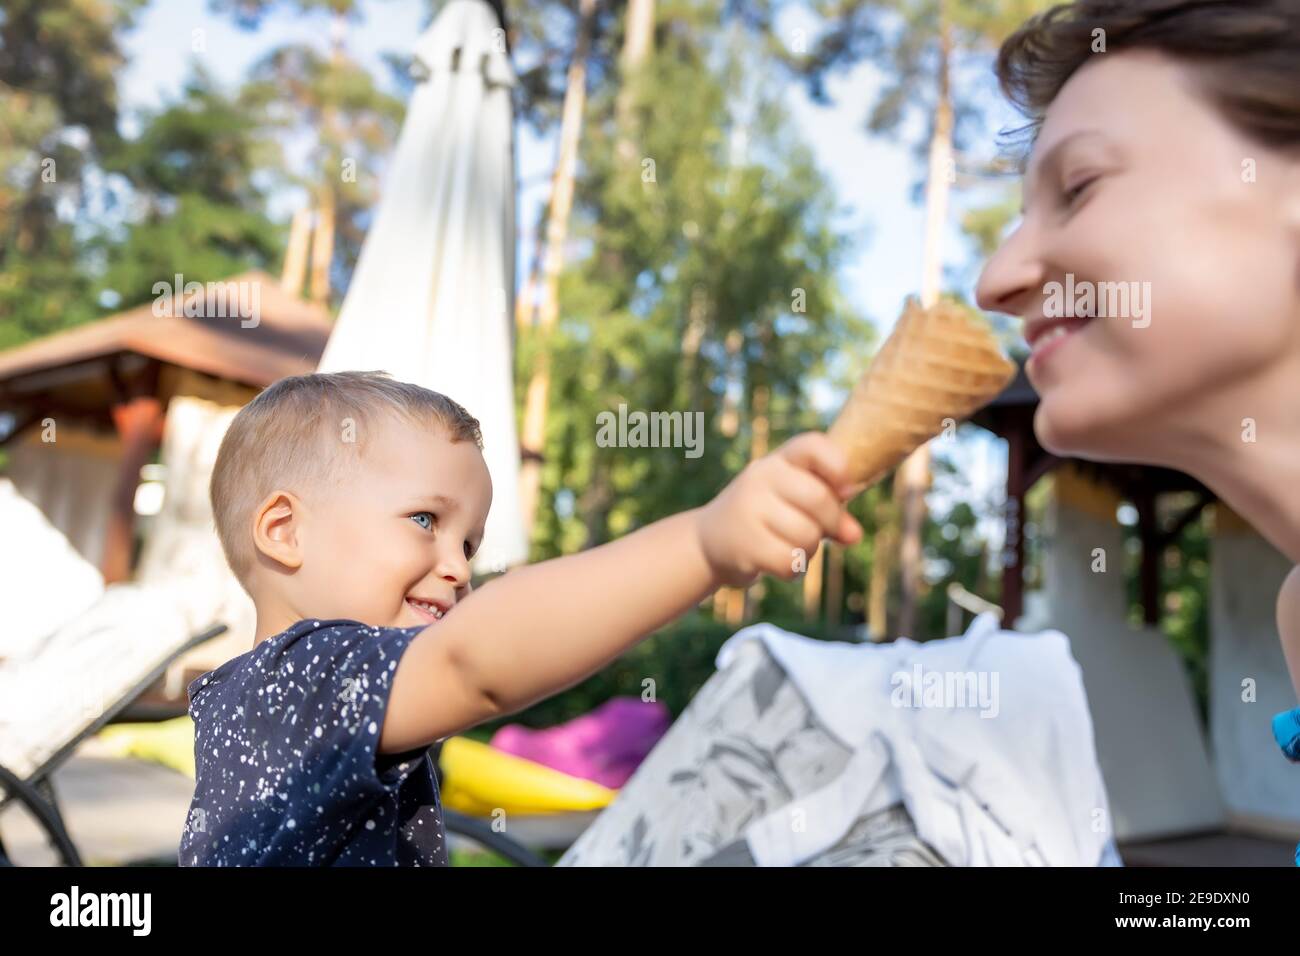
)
(428, 609)
(1046, 335)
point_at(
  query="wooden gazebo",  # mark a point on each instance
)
(1010, 416)
(111, 380)
(1185, 788)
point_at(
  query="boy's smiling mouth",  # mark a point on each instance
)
(427, 609)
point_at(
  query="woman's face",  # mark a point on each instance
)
(1138, 190)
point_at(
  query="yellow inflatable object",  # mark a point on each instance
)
(478, 779)
(168, 742)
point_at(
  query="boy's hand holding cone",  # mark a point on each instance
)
(777, 509)
(937, 365)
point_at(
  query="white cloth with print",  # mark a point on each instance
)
(985, 738)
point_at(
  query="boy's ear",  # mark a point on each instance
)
(276, 529)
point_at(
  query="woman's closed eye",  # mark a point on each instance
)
(1072, 194)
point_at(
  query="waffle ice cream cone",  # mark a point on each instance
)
(936, 365)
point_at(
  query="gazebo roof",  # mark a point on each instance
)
(1019, 392)
(287, 339)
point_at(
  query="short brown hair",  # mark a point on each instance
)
(1247, 54)
(289, 436)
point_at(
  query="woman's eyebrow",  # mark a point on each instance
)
(1050, 158)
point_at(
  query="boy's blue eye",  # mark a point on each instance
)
(424, 519)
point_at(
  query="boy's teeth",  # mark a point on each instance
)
(424, 605)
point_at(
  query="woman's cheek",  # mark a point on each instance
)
(1101, 396)
(1217, 345)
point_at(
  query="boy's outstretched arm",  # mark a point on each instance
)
(540, 629)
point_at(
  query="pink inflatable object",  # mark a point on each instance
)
(605, 745)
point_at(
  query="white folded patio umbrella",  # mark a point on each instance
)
(431, 298)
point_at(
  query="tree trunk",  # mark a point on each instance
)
(913, 477)
(322, 248)
(295, 255)
(882, 554)
(526, 304)
(759, 445)
(834, 582)
(557, 229)
(638, 32)
(812, 586)
(598, 499)
(697, 323)
(596, 502)
(729, 417)
(638, 40)
(741, 606)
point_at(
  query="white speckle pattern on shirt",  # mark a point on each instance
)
(273, 790)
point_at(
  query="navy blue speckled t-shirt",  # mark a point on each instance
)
(287, 769)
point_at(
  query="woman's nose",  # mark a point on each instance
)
(1012, 279)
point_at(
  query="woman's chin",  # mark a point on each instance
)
(1078, 431)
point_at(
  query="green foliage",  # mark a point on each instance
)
(63, 56)
(39, 293)
(58, 115)
(542, 37)
(708, 273)
(203, 143)
(186, 194)
(954, 546)
(904, 38)
(332, 103)
(200, 239)
(705, 270)
(197, 170)
(476, 858)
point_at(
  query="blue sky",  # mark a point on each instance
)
(871, 177)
